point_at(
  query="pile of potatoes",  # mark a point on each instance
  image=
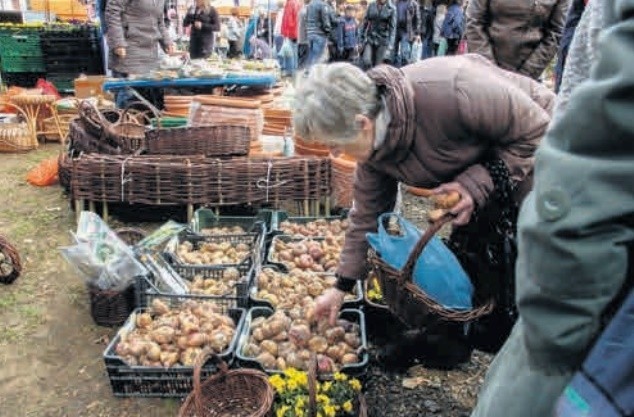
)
(221, 231)
(286, 340)
(223, 285)
(307, 254)
(212, 253)
(319, 227)
(165, 337)
(296, 289)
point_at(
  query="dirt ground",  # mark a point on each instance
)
(50, 351)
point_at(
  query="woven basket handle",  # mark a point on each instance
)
(201, 359)
(19, 109)
(434, 227)
(88, 109)
(312, 385)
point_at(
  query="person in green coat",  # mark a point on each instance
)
(576, 234)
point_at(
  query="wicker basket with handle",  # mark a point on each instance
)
(17, 137)
(10, 265)
(406, 300)
(236, 393)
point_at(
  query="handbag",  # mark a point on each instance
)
(437, 271)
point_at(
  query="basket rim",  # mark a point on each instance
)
(382, 269)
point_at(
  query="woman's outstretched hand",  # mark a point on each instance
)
(328, 305)
(465, 206)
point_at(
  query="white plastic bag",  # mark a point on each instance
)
(417, 51)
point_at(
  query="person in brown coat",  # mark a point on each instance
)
(449, 123)
(518, 35)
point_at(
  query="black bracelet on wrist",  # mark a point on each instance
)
(344, 284)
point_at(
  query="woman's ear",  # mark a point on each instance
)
(363, 122)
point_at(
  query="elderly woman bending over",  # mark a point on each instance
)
(458, 123)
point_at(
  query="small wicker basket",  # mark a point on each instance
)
(10, 265)
(17, 137)
(235, 393)
(406, 300)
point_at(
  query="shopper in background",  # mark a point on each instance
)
(362, 8)
(135, 32)
(204, 22)
(290, 32)
(427, 16)
(441, 11)
(572, 20)
(234, 33)
(278, 39)
(408, 29)
(347, 35)
(378, 33)
(263, 26)
(520, 36)
(576, 242)
(318, 28)
(453, 26)
(302, 37)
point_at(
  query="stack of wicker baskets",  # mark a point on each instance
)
(177, 105)
(343, 168)
(19, 135)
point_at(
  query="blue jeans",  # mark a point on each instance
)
(428, 48)
(288, 64)
(316, 48)
(122, 96)
(403, 49)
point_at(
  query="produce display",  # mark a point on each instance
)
(308, 254)
(284, 340)
(226, 230)
(212, 253)
(215, 286)
(316, 228)
(166, 337)
(294, 290)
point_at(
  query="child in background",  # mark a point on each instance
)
(223, 41)
(441, 11)
(347, 40)
(234, 33)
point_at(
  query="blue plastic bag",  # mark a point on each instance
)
(437, 272)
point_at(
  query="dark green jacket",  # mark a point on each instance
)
(379, 25)
(575, 232)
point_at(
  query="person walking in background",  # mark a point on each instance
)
(576, 242)
(234, 33)
(520, 36)
(302, 37)
(362, 8)
(318, 28)
(408, 29)
(203, 21)
(135, 32)
(437, 38)
(290, 32)
(572, 20)
(278, 38)
(453, 26)
(347, 38)
(378, 33)
(263, 28)
(427, 17)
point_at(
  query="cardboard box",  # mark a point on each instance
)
(90, 86)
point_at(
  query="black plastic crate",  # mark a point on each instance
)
(352, 315)
(145, 381)
(206, 219)
(355, 302)
(147, 289)
(282, 216)
(189, 271)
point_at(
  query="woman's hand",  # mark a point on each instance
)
(120, 52)
(329, 304)
(198, 24)
(464, 208)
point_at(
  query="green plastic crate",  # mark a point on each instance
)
(22, 64)
(20, 42)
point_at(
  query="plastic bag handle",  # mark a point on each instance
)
(434, 227)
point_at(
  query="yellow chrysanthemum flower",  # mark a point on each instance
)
(340, 377)
(282, 410)
(291, 384)
(323, 399)
(330, 411)
(326, 386)
(355, 384)
(277, 382)
(347, 406)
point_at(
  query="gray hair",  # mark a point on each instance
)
(328, 101)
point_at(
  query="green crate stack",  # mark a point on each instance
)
(21, 50)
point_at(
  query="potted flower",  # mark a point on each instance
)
(339, 397)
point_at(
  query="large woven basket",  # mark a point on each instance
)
(17, 137)
(406, 300)
(235, 393)
(10, 265)
(218, 141)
